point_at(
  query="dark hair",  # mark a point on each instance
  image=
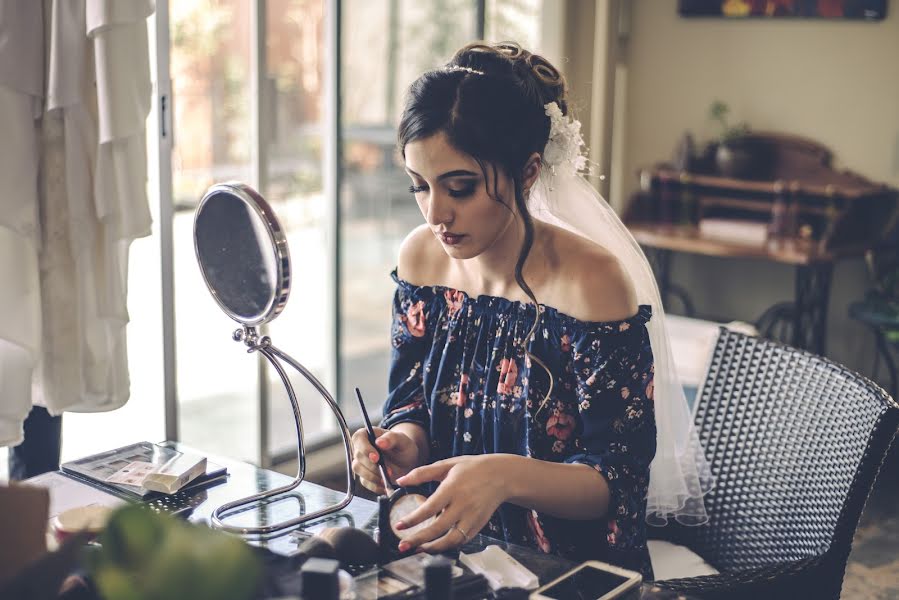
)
(497, 118)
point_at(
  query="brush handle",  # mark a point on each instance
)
(371, 438)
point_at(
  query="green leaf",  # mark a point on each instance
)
(718, 110)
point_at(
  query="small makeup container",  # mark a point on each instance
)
(438, 578)
(319, 579)
(91, 519)
(392, 508)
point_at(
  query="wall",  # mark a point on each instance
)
(833, 81)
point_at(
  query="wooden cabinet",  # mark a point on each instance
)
(796, 199)
(796, 210)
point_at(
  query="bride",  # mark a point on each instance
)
(531, 384)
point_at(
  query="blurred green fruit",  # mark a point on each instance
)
(116, 583)
(150, 556)
(130, 536)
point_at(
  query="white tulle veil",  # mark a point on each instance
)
(679, 475)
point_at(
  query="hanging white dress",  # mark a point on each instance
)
(21, 91)
(91, 200)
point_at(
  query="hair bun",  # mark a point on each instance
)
(550, 82)
(542, 81)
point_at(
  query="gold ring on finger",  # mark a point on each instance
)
(460, 530)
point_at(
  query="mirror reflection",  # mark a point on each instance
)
(237, 256)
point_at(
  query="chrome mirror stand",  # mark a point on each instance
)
(263, 345)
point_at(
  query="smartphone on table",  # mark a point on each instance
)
(592, 580)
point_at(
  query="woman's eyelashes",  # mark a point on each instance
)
(462, 192)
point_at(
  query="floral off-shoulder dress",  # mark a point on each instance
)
(458, 370)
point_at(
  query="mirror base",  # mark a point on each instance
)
(263, 345)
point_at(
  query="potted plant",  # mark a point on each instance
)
(735, 155)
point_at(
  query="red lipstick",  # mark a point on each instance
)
(450, 239)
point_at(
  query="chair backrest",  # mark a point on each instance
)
(795, 442)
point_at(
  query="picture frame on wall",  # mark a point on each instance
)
(867, 10)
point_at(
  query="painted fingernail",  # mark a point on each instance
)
(400, 525)
(403, 546)
(373, 457)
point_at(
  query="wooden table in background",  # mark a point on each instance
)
(801, 323)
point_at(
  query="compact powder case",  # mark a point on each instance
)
(392, 509)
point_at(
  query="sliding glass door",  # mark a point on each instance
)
(384, 46)
(210, 66)
(301, 99)
(294, 127)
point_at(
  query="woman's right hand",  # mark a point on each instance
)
(400, 451)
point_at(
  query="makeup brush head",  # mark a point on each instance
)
(352, 546)
(316, 547)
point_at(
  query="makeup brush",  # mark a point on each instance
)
(393, 507)
(371, 438)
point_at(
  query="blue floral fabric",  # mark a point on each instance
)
(458, 369)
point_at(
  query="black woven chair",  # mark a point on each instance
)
(795, 443)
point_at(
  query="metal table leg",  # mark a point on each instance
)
(812, 302)
(802, 323)
(884, 349)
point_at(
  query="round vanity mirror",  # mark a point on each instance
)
(242, 253)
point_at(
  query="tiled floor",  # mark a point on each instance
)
(873, 569)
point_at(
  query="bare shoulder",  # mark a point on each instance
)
(421, 259)
(590, 283)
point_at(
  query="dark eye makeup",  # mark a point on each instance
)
(464, 191)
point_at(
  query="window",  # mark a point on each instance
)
(383, 45)
(210, 70)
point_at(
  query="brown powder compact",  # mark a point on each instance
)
(392, 509)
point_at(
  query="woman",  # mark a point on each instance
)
(523, 378)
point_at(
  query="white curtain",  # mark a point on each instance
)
(74, 98)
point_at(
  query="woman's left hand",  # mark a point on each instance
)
(471, 489)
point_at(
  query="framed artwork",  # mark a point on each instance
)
(870, 10)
